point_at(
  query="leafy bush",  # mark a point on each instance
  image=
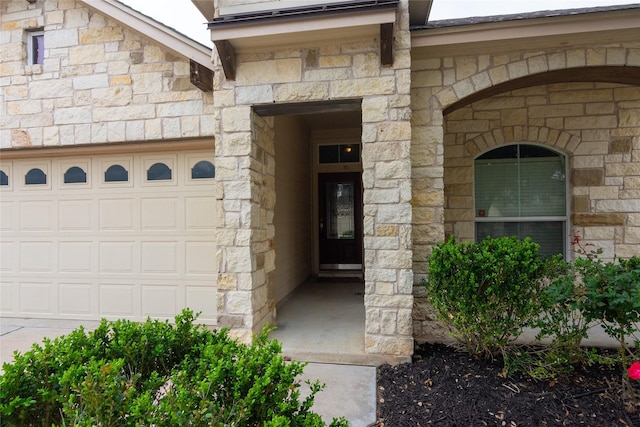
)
(613, 295)
(130, 374)
(486, 291)
(561, 320)
(613, 299)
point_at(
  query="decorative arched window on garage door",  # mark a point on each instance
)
(75, 174)
(116, 173)
(202, 170)
(35, 176)
(520, 190)
(159, 172)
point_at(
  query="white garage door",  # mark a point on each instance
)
(127, 236)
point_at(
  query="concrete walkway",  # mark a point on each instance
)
(350, 390)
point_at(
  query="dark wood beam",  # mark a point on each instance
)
(228, 58)
(386, 44)
(200, 76)
(301, 108)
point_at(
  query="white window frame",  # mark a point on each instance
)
(30, 46)
(564, 219)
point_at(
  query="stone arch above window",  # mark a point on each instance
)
(4, 178)
(203, 169)
(485, 84)
(559, 140)
(35, 176)
(75, 174)
(116, 173)
(159, 172)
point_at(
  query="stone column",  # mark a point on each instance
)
(386, 160)
(245, 170)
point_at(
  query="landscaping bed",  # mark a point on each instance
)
(447, 387)
(487, 293)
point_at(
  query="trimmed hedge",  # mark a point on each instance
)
(486, 292)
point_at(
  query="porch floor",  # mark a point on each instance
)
(323, 321)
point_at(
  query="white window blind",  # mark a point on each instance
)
(520, 190)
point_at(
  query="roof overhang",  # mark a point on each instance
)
(419, 11)
(206, 8)
(300, 26)
(506, 36)
(176, 42)
(257, 30)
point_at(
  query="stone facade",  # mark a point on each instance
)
(334, 70)
(103, 83)
(588, 122)
(595, 125)
(100, 82)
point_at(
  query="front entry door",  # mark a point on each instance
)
(340, 215)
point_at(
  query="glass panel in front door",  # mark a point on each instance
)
(340, 210)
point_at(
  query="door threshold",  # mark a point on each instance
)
(337, 274)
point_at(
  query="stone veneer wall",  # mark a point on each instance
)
(596, 125)
(100, 82)
(346, 69)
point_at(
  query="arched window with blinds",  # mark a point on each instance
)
(520, 190)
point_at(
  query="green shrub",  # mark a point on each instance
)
(613, 294)
(613, 299)
(486, 292)
(562, 321)
(131, 374)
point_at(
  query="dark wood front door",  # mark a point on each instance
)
(340, 215)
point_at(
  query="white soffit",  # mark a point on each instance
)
(175, 41)
(205, 7)
(291, 32)
(527, 33)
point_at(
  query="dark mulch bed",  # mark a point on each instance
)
(446, 387)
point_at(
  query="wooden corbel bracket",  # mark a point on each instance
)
(227, 57)
(386, 44)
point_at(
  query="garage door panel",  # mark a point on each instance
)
(37, 297)
(76, 299)
(73, 174)
(117, 257)
(200, 257)
(33, 176)
(74, 257)
(200, 212)
(36, 215)
(117, 299)
(75, 215)
(108, 179)
(160, 257)
(161, 301)
(159, 214)
(7, 250)
(8, 297)
(202, 299)
(158, 170)
(7, 168)
(7, 216)
(117, 214)
(36, 256)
